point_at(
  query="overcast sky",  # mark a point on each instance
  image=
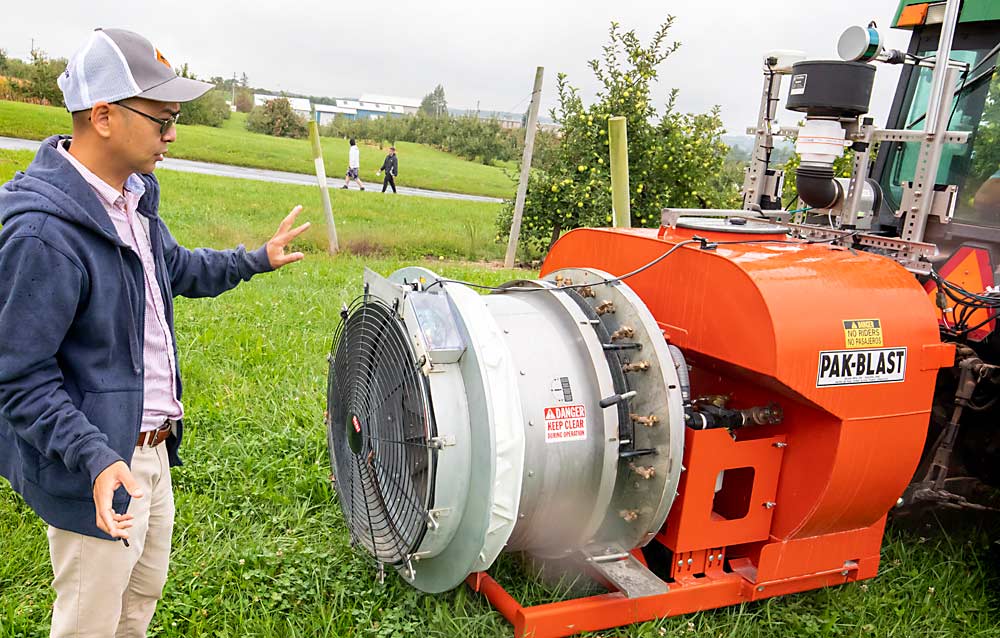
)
(483, 52)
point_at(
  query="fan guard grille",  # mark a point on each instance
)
(380, 429)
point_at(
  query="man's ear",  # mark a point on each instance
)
(100, 119)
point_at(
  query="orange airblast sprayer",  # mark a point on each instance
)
(730, 423)
(717, 411)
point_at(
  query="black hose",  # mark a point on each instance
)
(817, 187)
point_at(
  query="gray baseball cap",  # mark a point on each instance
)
(115, 64)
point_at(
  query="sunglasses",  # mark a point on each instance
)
(165, 125)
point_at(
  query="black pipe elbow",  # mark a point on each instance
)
(817, 187)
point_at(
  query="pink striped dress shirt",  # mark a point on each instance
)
(159, 367)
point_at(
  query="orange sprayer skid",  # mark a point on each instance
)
(845, 343)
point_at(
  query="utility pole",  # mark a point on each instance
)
(522, 186)
(234, 90)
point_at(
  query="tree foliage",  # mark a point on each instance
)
(434, 103)
(210, 109)
(277, 118)
(674, 158)
(33, 81)
(986, 147)
(244, 100)
(226, 84)
(43, 73)
(467, 136)
(236, 89)
(185, 71)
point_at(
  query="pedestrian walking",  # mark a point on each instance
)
(353, 166)
(391, 169)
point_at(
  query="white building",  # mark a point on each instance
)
(368, 106)
(509, 123)
(325, 113)
(405, 105)
(369, 109)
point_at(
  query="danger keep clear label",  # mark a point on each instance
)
(860, 367)
(565, 423)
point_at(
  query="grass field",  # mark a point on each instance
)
(260, 548)
(420, 166)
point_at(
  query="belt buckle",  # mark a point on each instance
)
(165, 430)
(153, 436)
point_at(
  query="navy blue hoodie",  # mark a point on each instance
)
(72, 306)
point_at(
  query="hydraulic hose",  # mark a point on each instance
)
(682, 371)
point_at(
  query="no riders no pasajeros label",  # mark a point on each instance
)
(862, 333)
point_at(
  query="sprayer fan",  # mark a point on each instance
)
(380, 429)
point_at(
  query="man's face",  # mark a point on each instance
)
(137, 140)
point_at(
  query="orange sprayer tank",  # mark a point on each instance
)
(754, 318)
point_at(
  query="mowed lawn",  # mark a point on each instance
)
(260, 548)
(420, 166)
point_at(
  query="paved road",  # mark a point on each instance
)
(263, 175)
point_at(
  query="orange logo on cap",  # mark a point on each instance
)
(162, 60)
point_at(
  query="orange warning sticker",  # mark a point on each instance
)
(565, 423)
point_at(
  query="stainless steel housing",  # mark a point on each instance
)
(558, 416)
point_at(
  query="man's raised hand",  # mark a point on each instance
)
(276, 245)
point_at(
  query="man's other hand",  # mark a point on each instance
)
(276, 245)
(114, 476)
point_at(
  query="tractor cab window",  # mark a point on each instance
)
(973, 167)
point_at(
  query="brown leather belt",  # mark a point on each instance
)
(152, 438)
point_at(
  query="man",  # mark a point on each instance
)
(90, 394)
(391, 168)
(353, 166)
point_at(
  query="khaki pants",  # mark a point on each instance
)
(103, 588)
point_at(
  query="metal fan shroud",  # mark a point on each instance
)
(380, 425)
(528, 448)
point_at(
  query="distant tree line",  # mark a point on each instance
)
(468, 136)
(434, 103)
(479, 140)
(210, 109)
(33, 81)
(238, 89)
